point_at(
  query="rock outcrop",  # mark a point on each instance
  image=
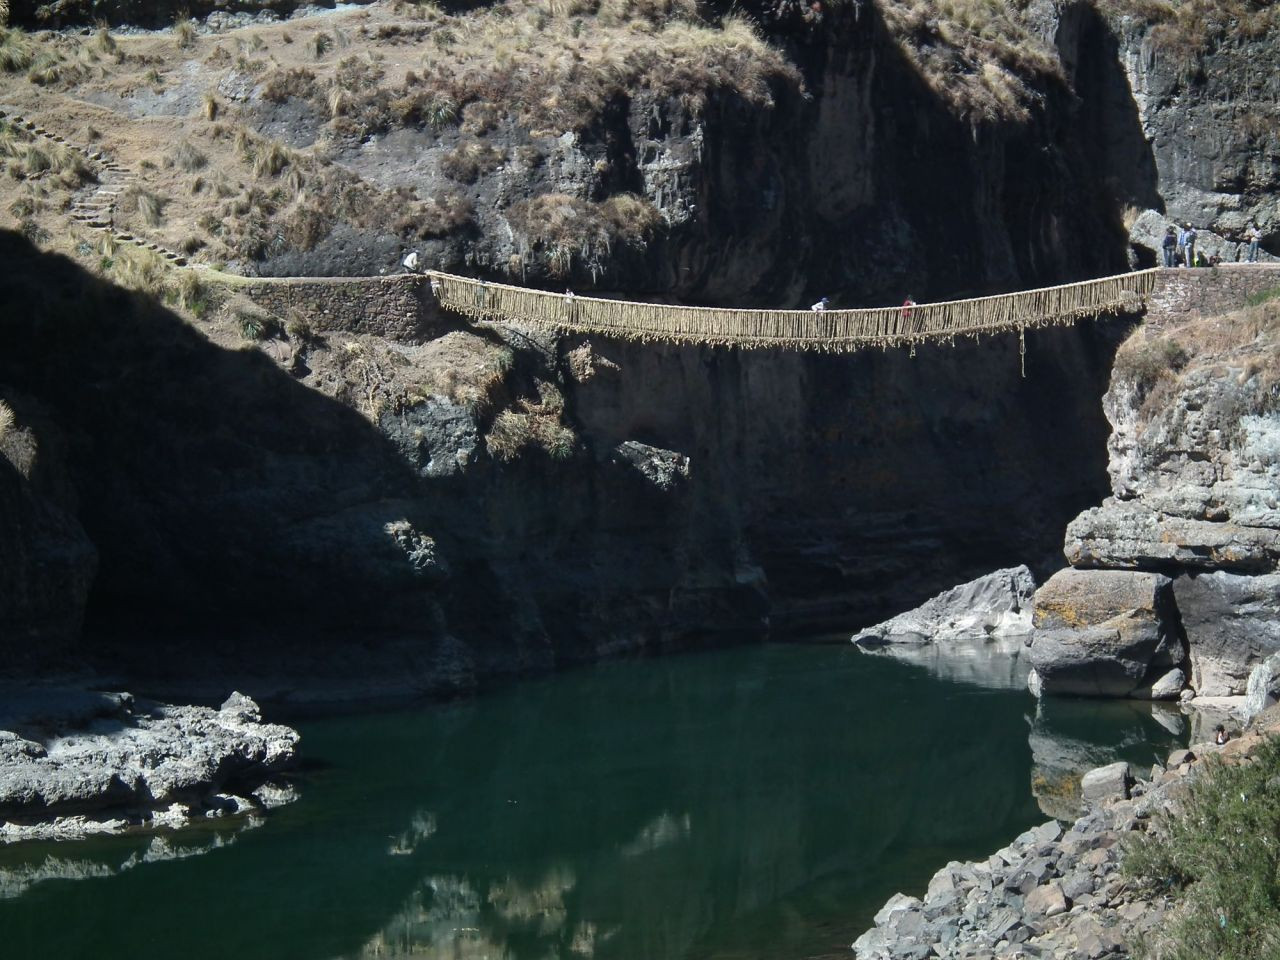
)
(994, 606)
(1195, 476)
(1105, 633)
(74, 762)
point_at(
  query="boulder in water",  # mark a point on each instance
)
(994, 606)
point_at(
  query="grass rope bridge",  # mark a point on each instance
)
(830, 330)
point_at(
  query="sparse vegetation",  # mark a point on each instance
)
(297, 82)
(471, 160)
(566, 230)
(1219, 854)
(532, 423)
(1186, 29)
(979, 56)
(1246, 341)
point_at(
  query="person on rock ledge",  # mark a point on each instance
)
(1253, 237)
(1170, 246)
(821, 305)
(1189, 244)
(1220, 735)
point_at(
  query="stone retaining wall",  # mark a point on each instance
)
(397, 307)
(1187, 294)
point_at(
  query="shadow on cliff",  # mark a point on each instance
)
(205, 476)
(251, 527)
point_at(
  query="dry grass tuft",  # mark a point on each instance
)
(471, 160)
(144, 203)
(16, 52)
(184, 32)
(567, 231)
(297, 83)
(7, 419)
(188, 157)
(531, 423)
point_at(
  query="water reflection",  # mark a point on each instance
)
(27, 865)
(752, 803)
(997, 664)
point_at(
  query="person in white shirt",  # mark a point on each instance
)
(820, 306)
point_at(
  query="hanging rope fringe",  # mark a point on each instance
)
(1022, 350)
(834, 330)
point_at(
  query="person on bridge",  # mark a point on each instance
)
(1171, 247)
(1189, 244)
(821, 305)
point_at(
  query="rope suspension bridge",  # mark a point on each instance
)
(829, 330)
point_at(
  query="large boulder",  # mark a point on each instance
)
(1126, 534)
(1105, 783)
(1264, 687)
(993, 606)
(1103, 633)
(1232, 624)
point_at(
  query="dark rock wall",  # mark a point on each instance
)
(863, 483)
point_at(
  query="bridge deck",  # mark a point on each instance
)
(837, 330)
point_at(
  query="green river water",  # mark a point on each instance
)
(753, 803)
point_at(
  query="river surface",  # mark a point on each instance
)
(759, 803)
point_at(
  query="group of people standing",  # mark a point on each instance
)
(1180, 246)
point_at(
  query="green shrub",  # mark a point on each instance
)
(256, 325)
(1220, 855)
(1258, 299)
(470, 161)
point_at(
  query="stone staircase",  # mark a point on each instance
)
(96, 208)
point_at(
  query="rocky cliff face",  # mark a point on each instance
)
(1206, 114)
(1194, 455)
(670, 151)
(47, 563)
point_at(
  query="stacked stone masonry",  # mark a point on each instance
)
(397, 307)
(1188, 294)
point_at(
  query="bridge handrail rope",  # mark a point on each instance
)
(835, 330)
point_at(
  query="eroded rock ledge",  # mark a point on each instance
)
(75, 762)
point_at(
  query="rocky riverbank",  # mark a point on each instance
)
(1055, 892)
(75, 762)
